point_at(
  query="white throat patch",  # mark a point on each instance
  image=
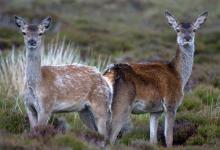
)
(186, 56)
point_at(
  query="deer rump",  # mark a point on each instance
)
(142, 94)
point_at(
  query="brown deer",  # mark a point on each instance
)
(68, 88)
(154, 87)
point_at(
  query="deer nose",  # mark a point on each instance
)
(32, 42)
(188, 38)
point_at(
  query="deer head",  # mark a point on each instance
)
(32, 32)
(186, 31)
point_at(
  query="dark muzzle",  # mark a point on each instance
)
(32, 42)
(187, 38)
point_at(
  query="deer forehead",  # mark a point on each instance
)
(32, 29)
(185, 26)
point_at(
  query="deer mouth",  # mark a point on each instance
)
(186, 43)
(32, 46)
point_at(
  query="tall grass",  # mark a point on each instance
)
(12, 65)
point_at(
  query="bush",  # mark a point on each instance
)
(12, 122)
(69, 141)
(190, 102)
(193, 117)
(208, 94)
(196, 140)
(135, 135)
(43, 132)
(216, 82)
(206, 134)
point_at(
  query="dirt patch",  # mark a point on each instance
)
(183, 130)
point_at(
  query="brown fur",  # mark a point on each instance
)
(154, 87)
(151, 83)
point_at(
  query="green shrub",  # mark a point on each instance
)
(196, 140)
(69, 141)
(134, 135)
(12, 122)
(208, 94)
(208, 132)
(190, 102)
(193, 117)
(216, 82)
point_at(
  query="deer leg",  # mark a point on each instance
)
(30, 108)
(128, 126)
(170, 113)
(118, 121)
(43, 118)
(121, 107)
(154, 120)
(100, 116)
(102, 122)
(88, 119)
(32, 115)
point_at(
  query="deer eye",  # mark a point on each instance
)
(194, 30)
(177, 30)
(23, 33)
(40, 34)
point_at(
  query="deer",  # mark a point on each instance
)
(63, 88)
(154, 87)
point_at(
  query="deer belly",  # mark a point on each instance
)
(69, 106)
(140, 106)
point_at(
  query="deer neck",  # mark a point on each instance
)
(33, 67)
(183, 62)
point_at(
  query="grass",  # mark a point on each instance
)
(197, 123)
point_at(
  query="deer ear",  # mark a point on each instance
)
(20, 22)
(200, 20)
(45, 24)
(171, 20)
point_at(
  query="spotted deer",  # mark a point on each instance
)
(154, 87)
(67, 88)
